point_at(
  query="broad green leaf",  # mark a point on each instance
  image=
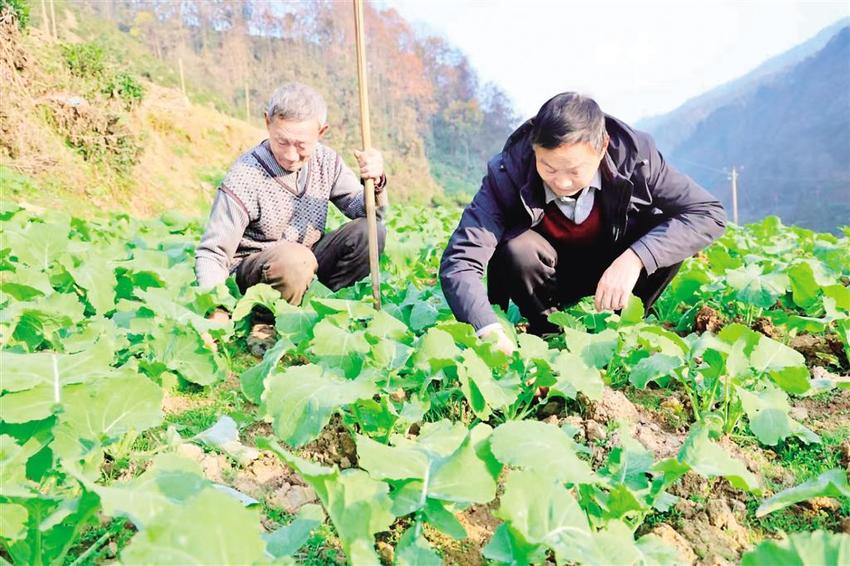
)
(832, 483)
(159, 491)
(422, 316)
(840, 294)
(436, 349)
(38, 244)
(595, 349)
(13, 519)
(96, 276)
(756, 288)
(384, 325)
(802, 549)
(462, 477)
(710, 459)
(252, 379)
(357, 505)
(108, 408)
(652, 368)
(507, 546)
(574, 376)
(542, 448)
(633, 313)
(183, 351)
(438, 516)
(804, 288)
(768, 413)
(332, 341)
(391, 462)
(786, 366)
(295, 323)
(540, 510)
(30, 405)
(352, 309)
(210, 528)
(300, 400)
(286, 541)
(532, 347)
(483, 392)
(414, 550)
(257, 295)
(25, 371)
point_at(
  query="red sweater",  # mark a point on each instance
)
(563, 232)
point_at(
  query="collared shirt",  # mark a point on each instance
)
(576, 208)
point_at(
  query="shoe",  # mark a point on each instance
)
(262, 337)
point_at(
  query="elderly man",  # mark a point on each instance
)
(577, 204)
(267, 223)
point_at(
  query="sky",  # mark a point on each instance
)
(636, 58)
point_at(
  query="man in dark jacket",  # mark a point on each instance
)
(577, 204)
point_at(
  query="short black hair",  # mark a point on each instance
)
(566, 119)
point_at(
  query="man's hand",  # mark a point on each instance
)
(500, 340)
(371, 164)
(618, 282)
(218, 315)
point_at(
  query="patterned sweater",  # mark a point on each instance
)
(259, 203)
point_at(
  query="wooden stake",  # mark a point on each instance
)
(45, 21)
(182, 78)
(734, 195)
(53, 19)
(366, 135)
(247, 103)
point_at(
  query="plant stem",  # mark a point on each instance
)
(93, 548)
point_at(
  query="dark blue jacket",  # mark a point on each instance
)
(662, 214)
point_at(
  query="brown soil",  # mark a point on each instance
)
(714, 531)
(766, 327)
(479, 522)
(820, 350)
(708, 320)
(175, 404)
(825, 415)
(333, 447)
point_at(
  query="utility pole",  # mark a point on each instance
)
(734, 177)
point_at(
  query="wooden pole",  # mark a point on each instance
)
(53, 19)
(182, 78)
(734, 195)
(366, 135)
(247, 103)
(45, 21)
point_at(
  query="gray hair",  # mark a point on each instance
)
(297, 101)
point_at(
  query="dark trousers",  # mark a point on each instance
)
(540, 279)
(339, 259)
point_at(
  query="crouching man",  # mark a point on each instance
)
(576, 204)
(267, 223)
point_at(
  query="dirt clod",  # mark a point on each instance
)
(291, 498)
(670, 537)
(766, 327)
(708, 320)
(613, 407)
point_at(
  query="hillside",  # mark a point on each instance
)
(788, 134)
(435, 123)
(790, 138)
(672, 128)
(81, 133)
